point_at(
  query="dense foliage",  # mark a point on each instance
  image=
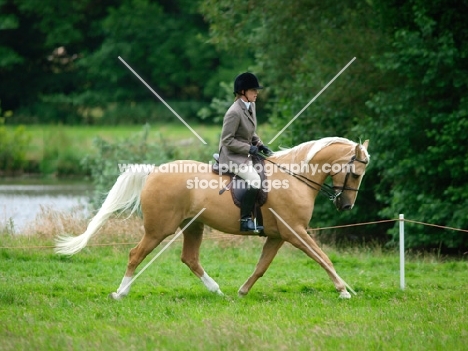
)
(406, 90)
(419, 124)
(59, 60)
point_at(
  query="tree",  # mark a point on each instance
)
(405, 92)
(419, 124)
(39, 43)
(59, 59)
(299, 48)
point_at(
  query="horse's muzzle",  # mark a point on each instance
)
(341, 204)
(346, 208)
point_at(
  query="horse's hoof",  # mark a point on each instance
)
(115, 296)
(345, 295)
(241, 293)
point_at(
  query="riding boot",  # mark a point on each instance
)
(247, 206)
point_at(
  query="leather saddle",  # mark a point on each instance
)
(237, 186)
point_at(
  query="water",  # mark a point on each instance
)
(21, 203)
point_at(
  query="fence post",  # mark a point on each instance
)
(402, 252)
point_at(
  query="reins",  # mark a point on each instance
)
(325, 189)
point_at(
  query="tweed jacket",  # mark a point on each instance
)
(238, 134)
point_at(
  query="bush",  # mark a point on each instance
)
(13, 147)
(60, 155)
(146, 112)
(104, 164)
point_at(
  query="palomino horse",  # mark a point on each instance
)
(169, 199)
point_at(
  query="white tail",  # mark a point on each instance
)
(124, 195)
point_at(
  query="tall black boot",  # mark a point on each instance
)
(247, 206)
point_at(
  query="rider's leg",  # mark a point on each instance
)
(250, 175)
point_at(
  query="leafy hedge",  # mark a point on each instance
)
(13, 147)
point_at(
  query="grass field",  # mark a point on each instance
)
(59, 149)
(80, 138)
(50, 302)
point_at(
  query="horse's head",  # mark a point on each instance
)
(342, 159)
(347, 180)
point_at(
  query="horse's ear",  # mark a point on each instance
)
(366, 144)
(359, 152)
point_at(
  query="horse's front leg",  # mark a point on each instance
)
(301, 239)
(269, 251)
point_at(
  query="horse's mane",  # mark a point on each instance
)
(306, 151)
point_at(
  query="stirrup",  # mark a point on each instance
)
(248, 225)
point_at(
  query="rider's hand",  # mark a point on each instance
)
(265, 150)
(253, 150)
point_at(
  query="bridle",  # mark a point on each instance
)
(344, 187)
(328, 190)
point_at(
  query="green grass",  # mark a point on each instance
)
(59, 149)
(80, 138)
(49, 302)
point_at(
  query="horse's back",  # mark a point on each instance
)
(178, 180)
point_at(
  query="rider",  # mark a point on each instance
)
(239, 141)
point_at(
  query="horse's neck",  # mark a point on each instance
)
(296, 163)
(318, 167)
(334, 153)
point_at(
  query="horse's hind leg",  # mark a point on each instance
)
(269, 251)
(193, 236)
(136, 256)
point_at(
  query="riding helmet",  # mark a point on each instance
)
(246, 81)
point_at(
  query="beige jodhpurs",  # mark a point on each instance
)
(250, 175)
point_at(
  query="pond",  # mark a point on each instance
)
(21, 202)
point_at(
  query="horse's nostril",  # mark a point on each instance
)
(346, 207)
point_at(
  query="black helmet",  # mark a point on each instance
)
(246, 81)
